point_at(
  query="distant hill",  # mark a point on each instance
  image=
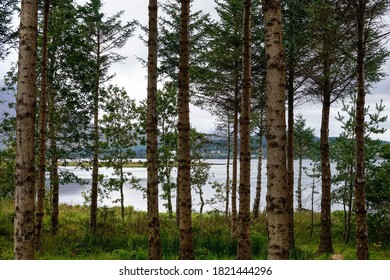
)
(6, 99)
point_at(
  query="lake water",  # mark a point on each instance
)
(72, 193)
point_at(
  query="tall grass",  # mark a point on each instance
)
(127, 239)
(6, 229)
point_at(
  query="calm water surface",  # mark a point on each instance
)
(72, 193)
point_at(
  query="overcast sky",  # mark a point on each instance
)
(132, 76)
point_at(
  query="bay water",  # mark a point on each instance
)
(71, 193)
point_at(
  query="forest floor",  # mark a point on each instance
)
(118, 239)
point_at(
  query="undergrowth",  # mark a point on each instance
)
(117, 239)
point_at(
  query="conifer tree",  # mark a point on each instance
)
(24, 237)
(243, 236)
(277, 190)
(154, 243)
(184, 156)
(42, 129)
(105, 36)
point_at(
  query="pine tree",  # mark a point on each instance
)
(277, 193)
(154, 243)
(184, 156)
(303, 142)
(24, 238)
(105, 36)
(244, 244)
(42, 130)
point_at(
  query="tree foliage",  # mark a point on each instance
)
(119, 126)
(7, 156)
(330, 51)
(303, 144)
(8, 35)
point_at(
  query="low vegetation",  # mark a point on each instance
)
(116, 239)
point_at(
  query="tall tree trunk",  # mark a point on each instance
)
(244, 218)
(169, 192)
(312, 199)
(277, 194)
(53, 153)
(256, 204)
(184, 156)
(25, 133)
(95, 135)
(299, 186)
(350, 203)
(228, 169)
(177, 203)
(326, 235)
(54, 178)
(360, 179)
(235, 161)
(42, 132)
(290, 153)
(237, 71)
(154, 243)
(345, 210)
(95, 169)
(122, 180)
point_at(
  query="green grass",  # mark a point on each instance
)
(116, 239)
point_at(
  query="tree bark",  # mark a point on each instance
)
(277, 194)
(54, 178)
(154, 243)
(312, 199)
(299, 186)
(228, 169)
(256, 204)
(235, 161)
(290, 153)
(350, 203)
(122, 180)
(25, 133)
(325, 245)
(360, 179)
(237, 69)
(52, 135)
(243, 241)
(42, 132)
(184, 156)
(95, 135)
